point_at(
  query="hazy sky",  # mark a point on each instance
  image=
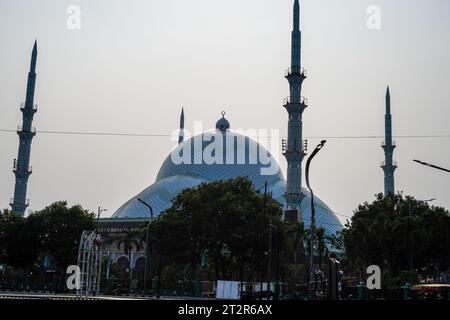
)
(134, 63)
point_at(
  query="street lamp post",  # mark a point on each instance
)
(159, 268)
(313, 222)
(146, 243)
(431, 165)
(277, 283)
(277, 263)
(99, 212)
(158, 272)
(263, 249)
(241, 268)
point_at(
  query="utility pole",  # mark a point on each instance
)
(277, 263)
(277, 282)
(263, 250)
(147, 246)
(158, 293)
(269, 255)
(99, 212)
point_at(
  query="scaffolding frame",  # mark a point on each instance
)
(89, 262)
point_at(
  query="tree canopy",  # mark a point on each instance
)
(19, 247)
(399, 233)
(59, 229)
(223, 220)
(54, 230)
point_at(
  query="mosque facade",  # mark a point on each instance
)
(223, 154)
(230, 155)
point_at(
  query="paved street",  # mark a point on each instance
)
(50, 296)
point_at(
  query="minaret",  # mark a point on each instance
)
(181, 135)
(388, 165)
(26, 132)
(295, 104)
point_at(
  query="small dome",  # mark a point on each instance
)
(223, 124)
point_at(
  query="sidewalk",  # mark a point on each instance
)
(51, 296)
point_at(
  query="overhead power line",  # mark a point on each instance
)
(122, 134)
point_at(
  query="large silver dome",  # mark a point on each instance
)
(214, 156)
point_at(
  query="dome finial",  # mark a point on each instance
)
(223, 124)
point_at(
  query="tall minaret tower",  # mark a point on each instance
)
(26, 132)
(295, 104)
(388, 165)
(181, 134)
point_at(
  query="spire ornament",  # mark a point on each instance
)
(388, 166)
(21, 165)
(295, 104)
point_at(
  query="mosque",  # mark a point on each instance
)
(173, 177)
(233, 154)
(239, 156)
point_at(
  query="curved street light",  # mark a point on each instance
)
(431, 165)
(313, 221)
(146, 243)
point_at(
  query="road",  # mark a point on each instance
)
(50, 296)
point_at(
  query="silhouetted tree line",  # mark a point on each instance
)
(228, 230)
(406, 237)
(54, 232)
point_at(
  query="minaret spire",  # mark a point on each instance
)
(295, 104)
(296, 15)
(181, 135)
(388, 101)
(26, 132)
(296, 38)
(33, 57)
(388, 165)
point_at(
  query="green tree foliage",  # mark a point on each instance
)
(398, 233)
(59, 229)
(19, 247)
(226, 220)
(53, 231)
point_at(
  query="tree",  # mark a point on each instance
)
(399, 233)
(18, 242)
(3, 222)
(59, 230)
(226, 219)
